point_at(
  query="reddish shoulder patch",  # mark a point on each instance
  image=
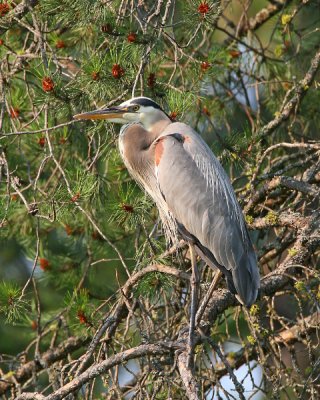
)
(158, 151)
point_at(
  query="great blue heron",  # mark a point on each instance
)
(190, 188)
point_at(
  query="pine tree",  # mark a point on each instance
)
(86, 274)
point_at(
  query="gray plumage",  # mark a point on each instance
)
(192, 191)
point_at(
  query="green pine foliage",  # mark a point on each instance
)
(133, 208)
(11, 302)
(80, 311)
(153, 285)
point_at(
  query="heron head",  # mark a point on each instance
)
(139, 109)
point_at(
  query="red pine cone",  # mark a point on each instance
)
(44, 264)
(205, 111)
(131, 37)
(127, 207)
(47, 84)
(96, 235)
(151, 81)
(34, 325)
(68, 230)
(82, 317)
(173, 115)
(205, 65)
(14, 112)
(42, 141)
(75, 197)
(203, 8)
(95, 76)
(60, 44)
(117, 71)
(4, 9)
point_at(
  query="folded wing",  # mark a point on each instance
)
(200, 196)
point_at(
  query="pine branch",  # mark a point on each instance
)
(297, 93)
(160, 348)
(262, 16)
(9, 20)
(220, 301)
(33, 132)
(25, 371)
(283, 338)
(282, 181)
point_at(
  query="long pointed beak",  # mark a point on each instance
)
(107, 113)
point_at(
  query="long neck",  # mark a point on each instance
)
(155, 121)
(136, 139)
(158, 127)
(137, 152)
(135, 142)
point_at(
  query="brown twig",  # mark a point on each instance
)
(25, 371)
(104, 366)
(297, 93)
(262, 16)
(17, 13)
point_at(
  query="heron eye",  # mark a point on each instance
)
(135, 108)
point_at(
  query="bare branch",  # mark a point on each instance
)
(297, 95)
(102, 367)
(25, 371)
(17, 13)
(263, 16)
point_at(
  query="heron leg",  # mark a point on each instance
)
(208, 296)
(194, 303)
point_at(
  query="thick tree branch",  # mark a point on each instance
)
(289, 219)
(291, 335)
(188, 379)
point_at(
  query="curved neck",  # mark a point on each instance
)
(158, 127)
(154, 121)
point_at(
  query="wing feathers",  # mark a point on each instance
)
(200, 196)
